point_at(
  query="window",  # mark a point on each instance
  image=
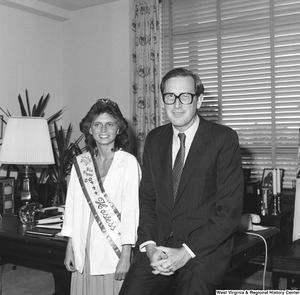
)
(247, 54)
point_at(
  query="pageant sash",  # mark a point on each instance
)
(105, 213)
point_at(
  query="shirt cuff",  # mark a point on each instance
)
(142, 246)
(189, 250)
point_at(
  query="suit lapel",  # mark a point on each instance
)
(165, 154)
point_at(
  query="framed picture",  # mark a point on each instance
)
(7, 195)
(267, 178)
(1, 126)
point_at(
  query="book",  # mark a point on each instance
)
(52, 219)
(53, 210)
(50, 225)
(43, 231)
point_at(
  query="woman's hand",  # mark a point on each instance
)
(124, 263)
(69, 257)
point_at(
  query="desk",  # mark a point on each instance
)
(285, 263)
(284, 222)
(51, 250)
(15, 242)
(248, 246)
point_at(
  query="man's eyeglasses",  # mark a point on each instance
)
(184, 98)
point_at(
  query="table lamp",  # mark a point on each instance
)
(26, 142)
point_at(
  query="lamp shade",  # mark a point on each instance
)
(26, 142)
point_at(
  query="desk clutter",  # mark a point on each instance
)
(47, 221)
(271, 191)
(263, 197)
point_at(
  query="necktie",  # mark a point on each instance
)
(178, 164)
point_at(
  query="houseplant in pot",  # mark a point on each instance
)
(27, 174)
(51, 185)
(55, 176)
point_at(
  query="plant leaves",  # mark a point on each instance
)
(55, 116)
(28, 104)
(42, 105)
(34, 110)
(63, 150)
(23, 111)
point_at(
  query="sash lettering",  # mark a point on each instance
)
(106, 214)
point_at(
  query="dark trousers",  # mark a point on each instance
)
(141, 281)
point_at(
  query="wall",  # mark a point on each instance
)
(76, 61)
(30, 57)
(97, 59)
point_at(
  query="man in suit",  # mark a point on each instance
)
(185, 233)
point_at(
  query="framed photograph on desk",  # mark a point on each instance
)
(267, 178)
(7, 195)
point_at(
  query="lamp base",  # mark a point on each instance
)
(26, 192)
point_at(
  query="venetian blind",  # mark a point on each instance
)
(247, 54)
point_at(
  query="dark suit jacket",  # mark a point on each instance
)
(209, 202)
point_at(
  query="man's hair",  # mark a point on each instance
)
(182, 72)
(102, 106)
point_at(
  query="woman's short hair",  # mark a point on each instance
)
(104, 105)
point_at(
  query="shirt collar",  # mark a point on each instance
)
(189, 133)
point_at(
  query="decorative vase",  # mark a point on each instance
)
(27, 212)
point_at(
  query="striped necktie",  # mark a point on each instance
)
(178, 164)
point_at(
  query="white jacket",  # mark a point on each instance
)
(122, 187)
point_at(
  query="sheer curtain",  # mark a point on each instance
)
(146, 78)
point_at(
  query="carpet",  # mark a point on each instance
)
(29, 278)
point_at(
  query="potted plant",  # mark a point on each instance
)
(38, 110)
(55, 176)
(52, 183)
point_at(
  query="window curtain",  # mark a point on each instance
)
(146, 78)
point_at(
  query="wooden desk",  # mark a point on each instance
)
(15, 242)
(285, 263)
(246, 246)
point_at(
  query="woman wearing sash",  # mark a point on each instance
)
(102, 210)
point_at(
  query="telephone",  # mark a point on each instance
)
(248, 220)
